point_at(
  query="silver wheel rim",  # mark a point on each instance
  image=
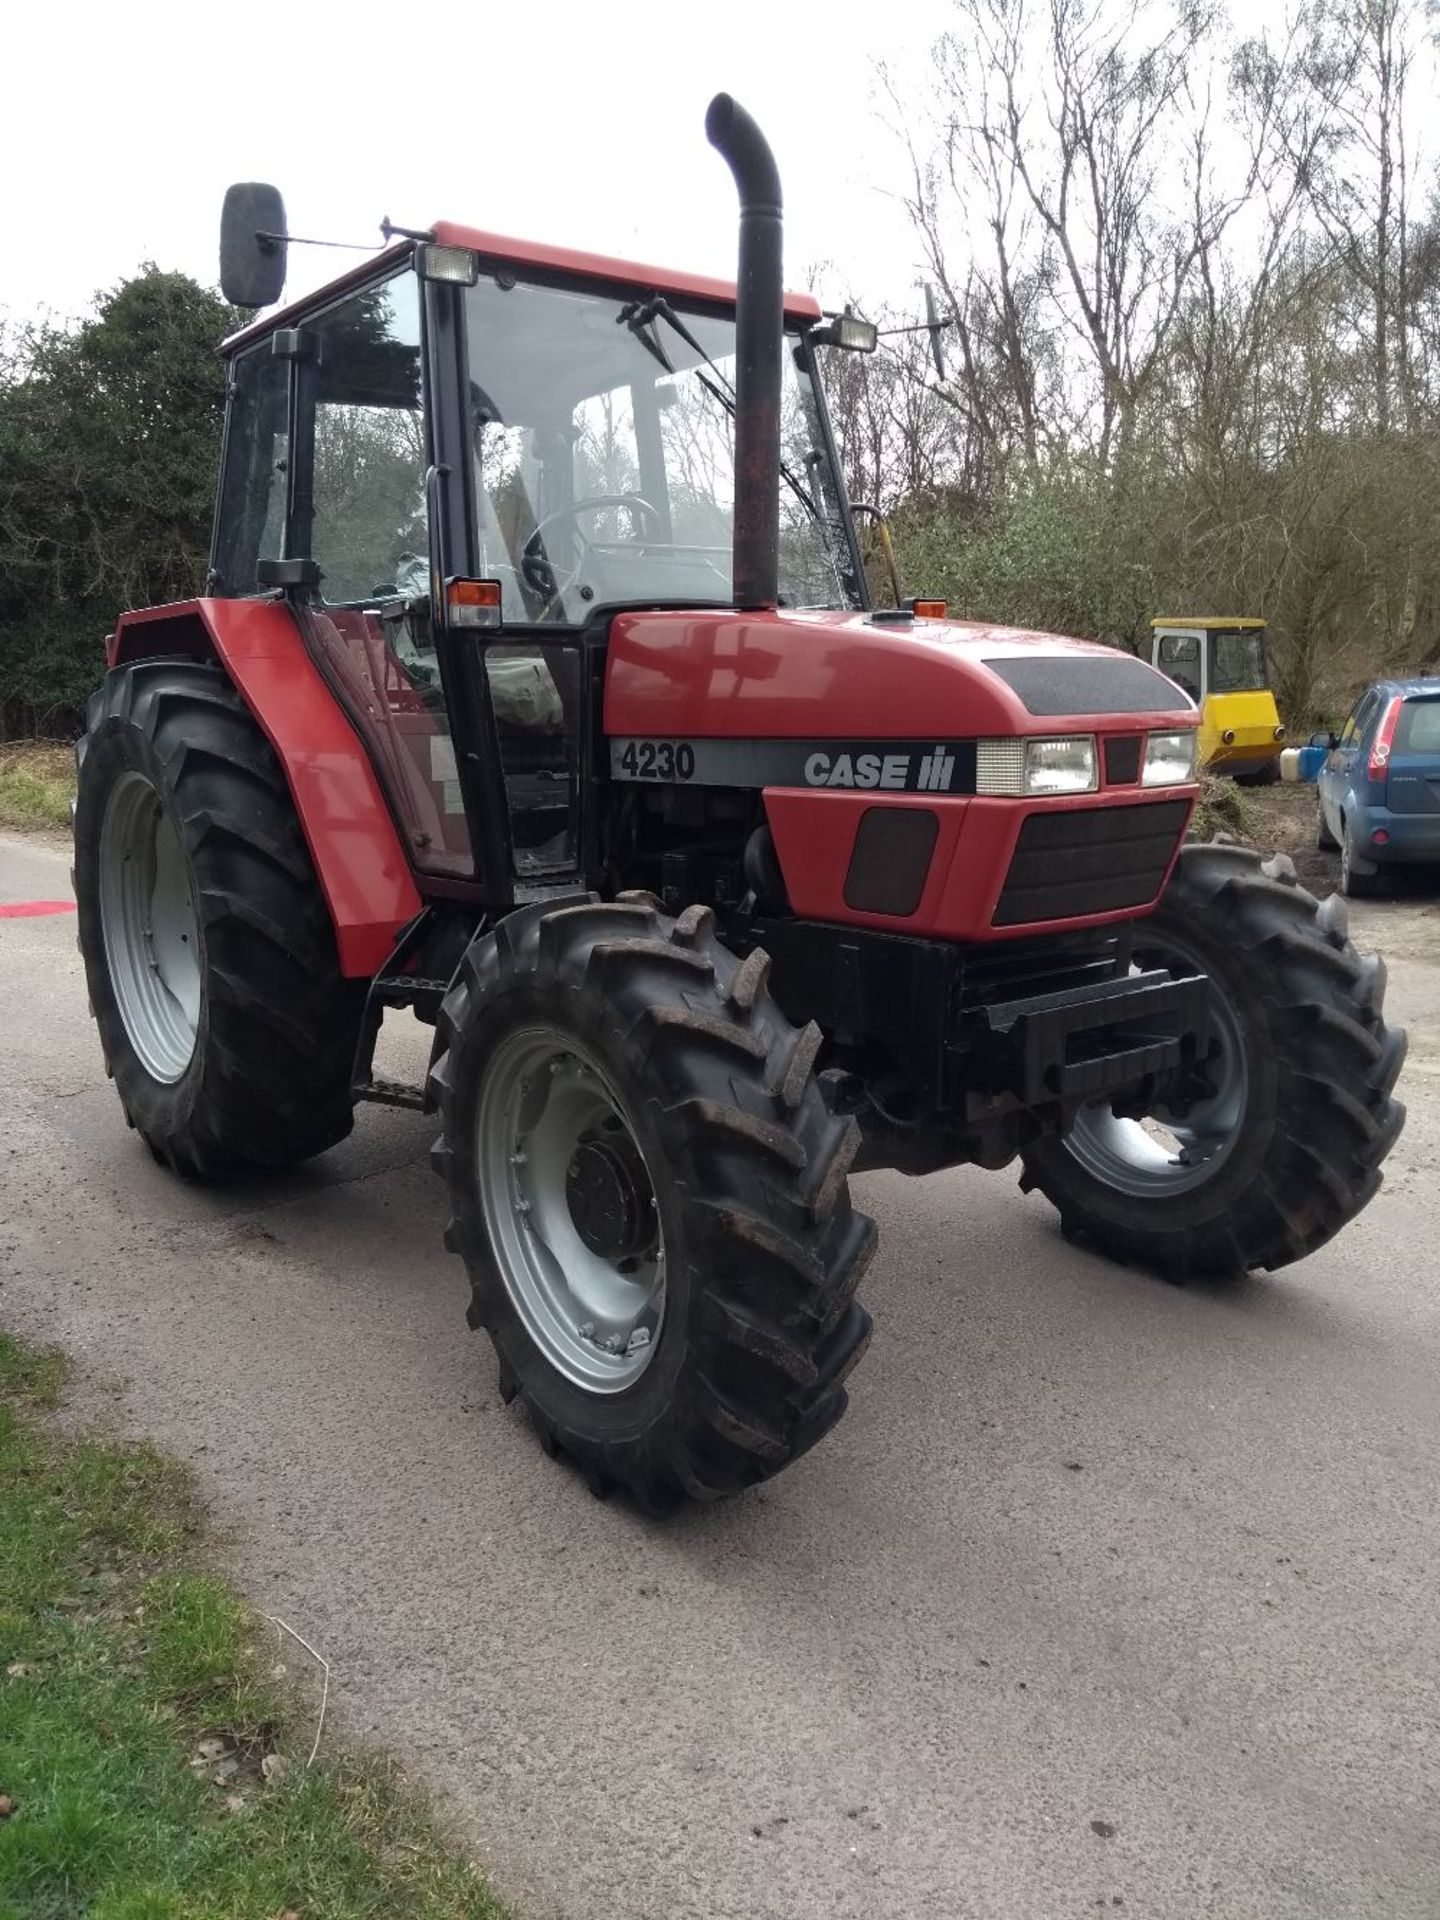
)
(549, 1118)
(1168, 1153)
(152, 938)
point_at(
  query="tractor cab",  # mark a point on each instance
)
(1221, 664)
(459, 464)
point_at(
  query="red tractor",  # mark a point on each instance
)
(537, 689)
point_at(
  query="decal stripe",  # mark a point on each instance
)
(867, 766)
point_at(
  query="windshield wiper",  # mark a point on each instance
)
(642, 314)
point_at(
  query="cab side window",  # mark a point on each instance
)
(368, 533)
(250, 521)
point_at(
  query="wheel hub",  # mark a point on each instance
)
(610, 1198)
(150, 927)
(570, 1208)
(1156, 1151)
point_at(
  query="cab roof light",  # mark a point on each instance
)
(472, 603)
(457, 265)
(929, 609)
(1384, 740)
(848, 332)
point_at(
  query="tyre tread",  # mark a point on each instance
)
(758, 1171)
(1334, 1119)
(282, 1021)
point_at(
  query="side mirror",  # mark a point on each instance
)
(1327, 740)
(252, 245)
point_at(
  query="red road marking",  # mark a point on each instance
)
(29, 909)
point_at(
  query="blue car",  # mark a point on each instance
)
(1380, 784)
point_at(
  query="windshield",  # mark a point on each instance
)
(1238, 662)
(603, 445)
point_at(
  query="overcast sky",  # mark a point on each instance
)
(576, 123)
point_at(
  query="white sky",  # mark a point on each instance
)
(576, 123)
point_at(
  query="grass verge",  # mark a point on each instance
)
(152, 1755)
(37, 778)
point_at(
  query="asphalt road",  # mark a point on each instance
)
(1104, 1595)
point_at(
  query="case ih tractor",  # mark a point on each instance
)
(536, 689)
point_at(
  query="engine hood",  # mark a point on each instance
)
(797, 675)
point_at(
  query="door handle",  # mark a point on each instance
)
(433, 477)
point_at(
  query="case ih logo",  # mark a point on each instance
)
(897, 771)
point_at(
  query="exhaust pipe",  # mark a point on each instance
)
(759, 336)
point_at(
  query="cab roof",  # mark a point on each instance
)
(1211, 622)
(536, 254)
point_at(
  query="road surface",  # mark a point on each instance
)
(1105, 1595)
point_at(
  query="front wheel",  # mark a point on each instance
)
(1278, 1142)
(648, 1188)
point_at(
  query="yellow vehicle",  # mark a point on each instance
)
(1220, 662)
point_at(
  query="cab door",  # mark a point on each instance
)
(1182, 654)
(362, 409)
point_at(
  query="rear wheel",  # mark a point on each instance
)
(649, 1190)
(1278, 1142)
(208, 948)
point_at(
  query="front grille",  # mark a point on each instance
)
(1089, 860)
(1122, 760)
(891, 859)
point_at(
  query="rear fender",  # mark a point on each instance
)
(359, 858)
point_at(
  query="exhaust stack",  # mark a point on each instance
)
(759, 337)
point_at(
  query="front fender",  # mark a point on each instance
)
(359, 858)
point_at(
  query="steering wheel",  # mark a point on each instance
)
(535, 562)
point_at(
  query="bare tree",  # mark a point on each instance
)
(1353, 157)
(1077, 163)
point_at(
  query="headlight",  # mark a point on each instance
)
(1169, 759)
(1024, 767)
